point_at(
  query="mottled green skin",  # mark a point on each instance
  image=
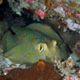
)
(23, 47)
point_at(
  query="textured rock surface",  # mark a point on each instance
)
(40, 71)
(69, 37)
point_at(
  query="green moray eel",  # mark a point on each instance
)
(36, 41)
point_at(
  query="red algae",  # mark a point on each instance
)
(2, 78)
(41, 70)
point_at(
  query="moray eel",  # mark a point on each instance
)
(36, 41)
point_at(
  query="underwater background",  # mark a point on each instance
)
(39, 40)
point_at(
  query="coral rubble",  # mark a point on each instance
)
(68, 68)
(65, 14)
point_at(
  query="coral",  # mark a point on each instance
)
(66, 67)
(30, 1)
(41, 70)
(48, 8)
(18, 5)
(71, 78)
(40, 13)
